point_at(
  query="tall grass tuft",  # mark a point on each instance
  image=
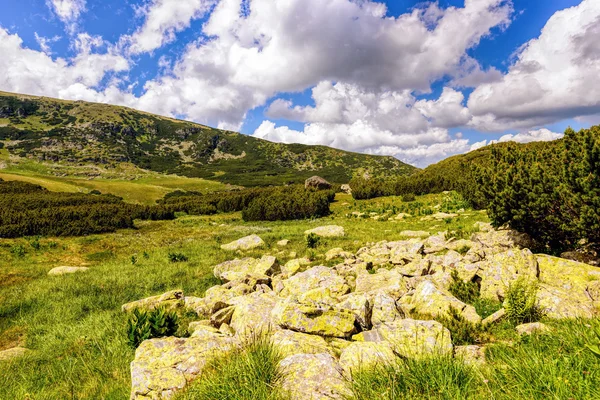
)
(520, 302)
(251, 373)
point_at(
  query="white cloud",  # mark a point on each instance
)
(554, 77)
(539, 135)
(447, 111)
(68, 11)
(45, 42)
(163, 19)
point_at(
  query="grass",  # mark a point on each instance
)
(77, 333)
(248, 374)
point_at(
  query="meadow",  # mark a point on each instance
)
(75, 329)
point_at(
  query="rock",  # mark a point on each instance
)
(66, 270)
(363, 355)
(560, 303)
(200, 329)
(346, 189)
(327, 231)
(293, 266)
(217, 297)
(402, 216)
(337, 253)
(441, 216)
(531, 328)
(316, 182)
(164, 366)
(313, 278)
(226, 330)
(505, 267)
(428, 299)
(316, 375)
(495, 317)
(360, 306)
(293, 315)
(384, 310)
(289, 343)
(15, 352)
(504, 239)
(283, 243)
(172, 301)
(195, 304)
(451, 259)
(411, 338)
(222, 316)
(390, 282)
(472, 355)
(240, 269)
(245, 243)
(252, 313)
(414, 234)
(566, 274)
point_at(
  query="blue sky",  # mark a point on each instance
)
(417, 80)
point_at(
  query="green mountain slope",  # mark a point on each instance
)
(76, 133)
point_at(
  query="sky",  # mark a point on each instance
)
(416, 80)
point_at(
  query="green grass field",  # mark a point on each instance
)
(76, 332)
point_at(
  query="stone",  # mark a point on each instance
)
(503, 268)
(293, 266)
(200, 329)
(402, 216)
(414, 234)
(411, 338)
(384, 310)
(318, 183)
(217, 297)
(495, 317)
(11, 354)
(245, 243)
(441, 216)
(566, 274)
(164, 366)
(360, 305)
(559, 303)
(172, 301)
(430, 300)
(451, 259)
(327, 231)
(346, 189)
(252, 313)
(288, 343)
(195, 304)
(293, 315)
(66, 270)
(471, 355)
(531, 328)
(226, 330)
(283, 243)
(314, 377)
(417, 267)
(240, 269)
(390, 282)
(222, 316)
(363, 355)
(337, 253)
(504, 239)
(313, 278)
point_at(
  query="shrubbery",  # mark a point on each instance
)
(143, 325)
(520, 302)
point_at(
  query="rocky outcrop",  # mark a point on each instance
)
(318, 183)
(327, 231)
(66, 270)
(245, 243)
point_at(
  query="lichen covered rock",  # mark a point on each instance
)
(313, 278)
(327, 231)
(172, 301)
(289, 343)
(428, 299)
(245, 243)
(66, 270)
(362, 355)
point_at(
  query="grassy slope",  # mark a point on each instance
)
(89, 133)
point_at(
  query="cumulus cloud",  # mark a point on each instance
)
(163, 19)
(554, 77)
(68, 11)
(45, 42)
(539, 135)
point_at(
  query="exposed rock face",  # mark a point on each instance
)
(245, 243)
(66, 270)
(237, 269)
(318, 183)
(327, 231)
(504, 268)
(313, 376)
(428, 299)
(316, 277)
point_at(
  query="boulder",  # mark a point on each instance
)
(503, 268)
(390, 282)
(217, 297)
(252, 314)
(293, 266)
(566, 274)
(384, 309)
(316, 182)
(360, 305)
(290, 314)
(196, 305)
(66, 270)
(346, 189)
(283, 243)
(338, 252)
(362, 355)
(495, 317)
(314, 377)
(471, 355)
(428, 299)
(411, 338)
(414, 234)
(172, 301)
(164, 366)
(245, 243)
(289, 343)
(247, 267)
(223, 316)
(15, 352)
(313, 278)
(327, 231)
(560, 303)
(531, 328)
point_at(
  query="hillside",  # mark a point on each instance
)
(79, 133)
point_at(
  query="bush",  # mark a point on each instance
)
(143, 325)
(463, 332)
(409, 197)
(312, 240)
(464, 291)
(520, 302)
(177, 257)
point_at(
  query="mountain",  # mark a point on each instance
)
(78, 133)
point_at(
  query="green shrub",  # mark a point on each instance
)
(464, 291)
(177, 257)
(407, 198)
(312, 240)
(18, 250)
(463, 332)
(143, 325)
(520, 302)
